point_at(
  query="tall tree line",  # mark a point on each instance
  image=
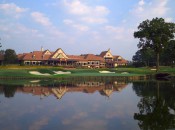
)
(147, 57)
(156, 37)
(9, 56)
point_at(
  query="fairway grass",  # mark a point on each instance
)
(24, 72)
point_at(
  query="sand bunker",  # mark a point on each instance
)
(38, 73)
(124, 73)
(61, 72)
(106, 72)
(154, 69)
(35, 81)
(47, 74)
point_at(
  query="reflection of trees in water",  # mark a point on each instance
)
(156, 106)
(1, 90)
(154, 114)
(143, 89)
(9, 91)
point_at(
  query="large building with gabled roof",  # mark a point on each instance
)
(60, 58)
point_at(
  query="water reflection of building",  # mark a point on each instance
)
(105, 89)
(59, 92)
(90, 84)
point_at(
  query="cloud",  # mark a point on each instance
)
(141, 2)
(86, 13)
(41, 19)
(46, 22)
(115, 32)
(12, 9)
(168, 19)
(16, 30)
(67, 21)
(80, 115)
(101, 10)
(156, 8)
(79, 27)
(33, 37)
(161, 9)
(38, 124)
(77, 8)
(17, 35)
(92, 20)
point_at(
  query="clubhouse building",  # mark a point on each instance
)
(60, 58)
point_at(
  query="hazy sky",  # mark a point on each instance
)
(78, 26)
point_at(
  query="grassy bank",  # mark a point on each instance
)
(15, 71)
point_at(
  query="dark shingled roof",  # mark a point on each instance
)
(76, 58)
(35, 55)
(93, 57)
(103, 53)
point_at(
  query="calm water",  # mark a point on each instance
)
(84, 104)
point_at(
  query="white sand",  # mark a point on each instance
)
(38, 73)
(154, 69)
(35, 81)
(106, 72)
(124, 73)
(47, 74)
(61, 72)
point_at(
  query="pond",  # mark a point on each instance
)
(87, 103)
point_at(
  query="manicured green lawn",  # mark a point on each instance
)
(23, 71)
(95, 72)
(168, 70)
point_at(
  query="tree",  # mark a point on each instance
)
(155, 34)
(2, 52)
(143, 57)
(169, 53)
(138, 59)
(10, 56)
